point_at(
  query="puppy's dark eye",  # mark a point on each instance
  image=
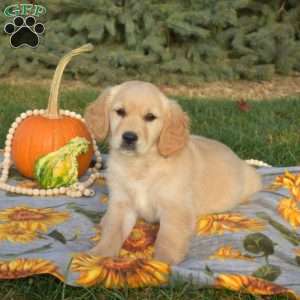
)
(149, 117)
(121, 112)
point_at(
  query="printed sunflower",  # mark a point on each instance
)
(287, 180)
(290, 211)
(119, 272)
(291, 182)
(227, 252)
(227, 222)
(250, 284)
(23, 267)
(34, 219)
(16, 234)
(141, 240)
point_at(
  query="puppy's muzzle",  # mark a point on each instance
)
(129, 139)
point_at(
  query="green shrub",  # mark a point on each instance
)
(164, 41)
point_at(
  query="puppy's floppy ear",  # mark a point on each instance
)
(175, 132)
(96, 114)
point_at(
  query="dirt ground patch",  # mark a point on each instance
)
(233, 90)
(241, 89)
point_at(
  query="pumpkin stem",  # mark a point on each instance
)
(53, 108)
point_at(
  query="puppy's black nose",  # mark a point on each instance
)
(129, 137)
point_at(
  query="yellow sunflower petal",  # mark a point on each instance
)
(23, 267)
(250, 284)
(83, 262)
(97, 236)
(91, 277)
(3, 267)
(117, 279)
(160, 266)
(14, 233)
(111, 280)
(158, 270)
(34, 219)
(102, 276)
(289, 210)
(134, 281)
(144, 278)
(119, 272)
(286, 180)
(104, 199)
(296, 193)
(227, 252)
(230, 222)
(232, 282)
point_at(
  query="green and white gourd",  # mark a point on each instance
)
(60, 168)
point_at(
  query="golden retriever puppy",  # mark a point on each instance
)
(159, 172)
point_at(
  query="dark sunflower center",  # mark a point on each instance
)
(120, 263)
(26, 215)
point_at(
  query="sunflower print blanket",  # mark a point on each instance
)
(255, 248)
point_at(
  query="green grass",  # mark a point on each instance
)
(269, 132)
(47, 288)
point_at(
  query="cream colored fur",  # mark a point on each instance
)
(172, 177)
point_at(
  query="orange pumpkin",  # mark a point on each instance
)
(38, 135)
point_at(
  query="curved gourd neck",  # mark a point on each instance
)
(53, 105)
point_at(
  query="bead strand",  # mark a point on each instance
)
(78, 190)
(257, 163)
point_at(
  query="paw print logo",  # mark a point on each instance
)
(24, 32)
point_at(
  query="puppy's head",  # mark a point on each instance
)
(138, 117)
